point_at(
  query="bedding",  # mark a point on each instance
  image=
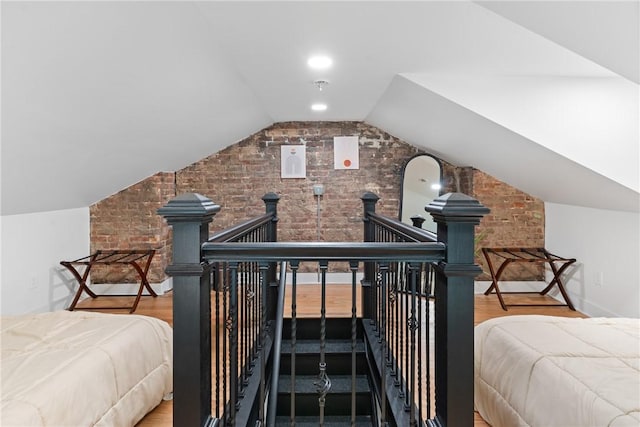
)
(553, 371)
(83, 368)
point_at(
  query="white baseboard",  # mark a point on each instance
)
(588, 308)
(479, 286)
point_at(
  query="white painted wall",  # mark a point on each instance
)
(592, 120)
(119, 91)
(606, 279)
(32, 279)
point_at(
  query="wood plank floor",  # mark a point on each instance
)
(486, 307)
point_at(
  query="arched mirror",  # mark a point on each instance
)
(421, 183)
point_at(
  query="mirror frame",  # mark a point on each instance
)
(402, 183)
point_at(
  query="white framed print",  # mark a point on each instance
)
(293, 161)
(346, 153)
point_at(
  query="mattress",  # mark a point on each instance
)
(83, 368)
(553, 371)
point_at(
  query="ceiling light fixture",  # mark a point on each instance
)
(320, 84)
(319, 107)
(319, 62)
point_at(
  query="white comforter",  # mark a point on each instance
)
(552, 371)
(83, 369)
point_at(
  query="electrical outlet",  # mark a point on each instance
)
(599, 279)
(318, 190)
(33, 282)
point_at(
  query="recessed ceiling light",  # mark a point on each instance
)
(319, 107)
(319, 62)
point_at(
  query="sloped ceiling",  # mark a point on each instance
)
(99, 95)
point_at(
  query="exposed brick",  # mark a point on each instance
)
(516, 220)
(238, 176)
(128, 220)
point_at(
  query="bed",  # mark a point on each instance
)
(554, 371)
(83, 368)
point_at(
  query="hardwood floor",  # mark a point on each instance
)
(486, 307)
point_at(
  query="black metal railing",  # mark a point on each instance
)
(243, 294)
(237, 309)
(389, 230)
(403, 317)
(381, 254)
(394, 318)
(277, 348)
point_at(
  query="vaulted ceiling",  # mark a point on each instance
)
(99, 95)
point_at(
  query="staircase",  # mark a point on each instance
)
(338, 358)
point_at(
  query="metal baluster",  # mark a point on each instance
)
(420, 355)
(323, 383)
(405, 326)
(254, 278)
(379, 236)
(427, 332)
(249, 300)
(353, 265)
(400, 323)
(256, 317)
(263, 337)
(390, 320)
(384, 269)
(232, 325)
(294, 281)
(249, 319)
(412, 328)
(378, 311)
(225, 314)
(219, 354)
(241, 333)
(396, 328)
(276, 351)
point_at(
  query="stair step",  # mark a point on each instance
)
(337, 357)
(340, 384)
(309, 328)
(337, 400)
(329, 421)
(331, 346)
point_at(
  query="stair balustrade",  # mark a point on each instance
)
(372, 369)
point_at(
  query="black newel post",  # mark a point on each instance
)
(456, 215)
(369, 201)
(417, 221)
(189, 215)
(271, 207)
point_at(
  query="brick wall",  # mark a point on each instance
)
(128, 220)
(238, 176)
(516, 220)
